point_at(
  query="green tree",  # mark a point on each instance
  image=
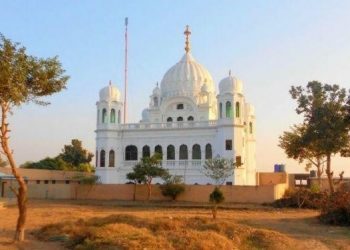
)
(136, 177)
(147, 169)
(173, 186)
(47, 163)
(218, 169)
(298, 148)
(23, 79)
(73, 158)
(75, 154)
(216, 197)
(325, 109)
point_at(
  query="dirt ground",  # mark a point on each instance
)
(301, 225)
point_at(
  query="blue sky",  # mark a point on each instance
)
(270, 45)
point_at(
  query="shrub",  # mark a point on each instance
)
(216, 197)
(300, 198)
(335, 208)
(173, 186)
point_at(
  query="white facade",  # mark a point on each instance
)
(186, 120)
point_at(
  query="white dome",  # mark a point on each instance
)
(230, 84)
(110, 93)
(186, 78)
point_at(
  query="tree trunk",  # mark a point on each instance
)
(21, 193)
(134, 195)
(329, 174)
(319, 173)
(214, 211)
(149, 191)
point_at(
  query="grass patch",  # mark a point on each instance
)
(130, 232)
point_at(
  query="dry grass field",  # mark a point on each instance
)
(112, 225)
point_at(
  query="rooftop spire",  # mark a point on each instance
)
(187, 42)
(110, 82)
(229, 73)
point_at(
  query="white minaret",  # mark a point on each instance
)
(109, 118)
(230, 142)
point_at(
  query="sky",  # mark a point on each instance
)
(269, 45)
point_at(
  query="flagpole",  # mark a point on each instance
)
(126, 70)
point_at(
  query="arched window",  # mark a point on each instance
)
(104, 115)
(96, 158)
(228, 109)
(208, 152)
(111, 158)
(180, 119)
(112, 116)
(169, 119)
(183, 152)
(119, 117)
(220, 110)
(237, 110)
(251, 127)
(170, 152)
(155, 101)
(131, 153)
(102, 158)
(98, 116)
(196, 152)
(158, 149)
(190, 118)
(146, 151)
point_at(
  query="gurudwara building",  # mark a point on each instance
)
(186, 121)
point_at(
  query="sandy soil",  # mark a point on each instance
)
(301, 225)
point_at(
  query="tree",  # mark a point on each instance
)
(296, 147)
(216, 197)
(23, 79)
(173, 186)
(147, 169)
(326, 112)
(47, 163)
(136, 177)
(218, 169)
(76, 154)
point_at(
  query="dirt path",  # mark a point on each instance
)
(298, 224)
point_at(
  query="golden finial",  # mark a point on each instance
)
(187, 42)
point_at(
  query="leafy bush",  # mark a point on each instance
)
(335, 208)
(173, 187)
(300, 198)
(216, 196)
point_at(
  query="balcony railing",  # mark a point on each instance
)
(162, 125)
(172, 164)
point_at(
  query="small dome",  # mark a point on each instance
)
(156, 91)
(204, 87)
(185, 78)
(145, 115)
(110, 93)
(230, 84)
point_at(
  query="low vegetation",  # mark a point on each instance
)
(131, 232)
(334, 207)
(173, 186)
